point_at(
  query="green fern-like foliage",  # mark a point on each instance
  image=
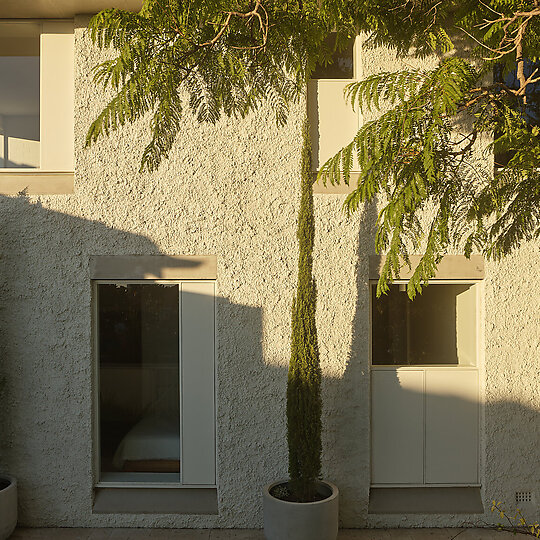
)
(421, 155)
(212, 57)
(407, 155)
(304, 380)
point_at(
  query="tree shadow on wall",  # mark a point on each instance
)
(508, 430)
(47, 406)
(46, 351)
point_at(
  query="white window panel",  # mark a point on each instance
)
(197, 357)
(57, 96)
(333, 122)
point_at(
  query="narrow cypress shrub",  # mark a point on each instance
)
(304, 381)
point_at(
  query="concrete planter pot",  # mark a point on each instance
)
(285, 520)
(8, 506)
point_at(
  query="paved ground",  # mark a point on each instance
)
(244, 534)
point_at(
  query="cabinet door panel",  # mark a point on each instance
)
(397, 426)
(451, 427)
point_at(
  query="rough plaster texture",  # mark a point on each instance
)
(229, 190)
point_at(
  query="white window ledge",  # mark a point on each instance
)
(453, 267)
(36, 182)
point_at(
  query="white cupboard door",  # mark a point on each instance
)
(197, 395)
(451, 427)
(397, 425)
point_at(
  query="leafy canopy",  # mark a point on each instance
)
(428, 153)
(222, 56)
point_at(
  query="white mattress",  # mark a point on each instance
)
(152, 438)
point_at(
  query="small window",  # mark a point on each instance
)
(438, 327)
(19, 96)
(341, 65)
(155, 348)
(332, 120)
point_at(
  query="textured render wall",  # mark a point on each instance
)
(229, 190)
(509, 367)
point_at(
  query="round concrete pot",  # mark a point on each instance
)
(8, 506)
(285, 520)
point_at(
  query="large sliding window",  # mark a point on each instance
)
(155, 347)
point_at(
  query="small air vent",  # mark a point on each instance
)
(523, 497)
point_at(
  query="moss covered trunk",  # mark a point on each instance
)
(304, 380)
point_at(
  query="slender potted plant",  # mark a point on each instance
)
(303, 507)
(8, 501)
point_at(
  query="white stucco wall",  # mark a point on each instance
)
(229, 190)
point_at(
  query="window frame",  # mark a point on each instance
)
(478, 368)
(477, 283)
(96, 442)
(313, 110)
(55, 175)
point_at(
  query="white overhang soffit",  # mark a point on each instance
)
(60, 9)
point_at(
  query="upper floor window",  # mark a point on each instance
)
(36, 96)
(341, 65)
(19, 95)
(333, 122)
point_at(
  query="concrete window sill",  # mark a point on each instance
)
(36, 182)
(425, 500)
(152, 500)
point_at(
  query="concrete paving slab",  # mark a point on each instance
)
(247, 534)
(99, 534)
(236, 534)
(178, 534)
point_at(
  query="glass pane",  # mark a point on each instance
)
(19, 95)
(341, 66)
(139, 381)
(437, 327)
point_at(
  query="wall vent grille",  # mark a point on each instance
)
(523, 497)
